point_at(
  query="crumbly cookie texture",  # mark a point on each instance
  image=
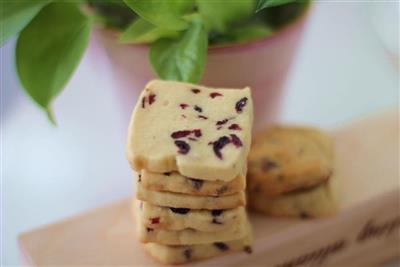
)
(156, 217)
(188, 236)
(182, 254)
(319, 201)
(194, 130)
(176, 200)
(177, 183)
(284, 159)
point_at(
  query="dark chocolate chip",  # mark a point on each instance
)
(221, 122)
(197, 132)
(215, 221)
(216, 212)
(180, 210)
(152, 98)
(202, 117)
(196, 183)
(149, 229)
(241, 104)
(183, 105)
(198, 109)
(268, 164)
(183, 146)
(304, 215)
(187, 253)
(221, 246)
(167, 173)
(195, 90)
(143, 102)
(248, 249)
(222, 190)
(219, 145)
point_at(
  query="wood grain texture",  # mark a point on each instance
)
(368, 167)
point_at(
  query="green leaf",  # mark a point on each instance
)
(15, 15)
(162, 13)
(49, 49)
(181, 59)
(141, 31)
(218, 14)
(244, 34)
(261, 4)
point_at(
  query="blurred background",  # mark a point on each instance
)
(346, 67)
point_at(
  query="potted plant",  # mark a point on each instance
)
(224, 43)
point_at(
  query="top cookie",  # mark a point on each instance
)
(285, 159)
(200, 132)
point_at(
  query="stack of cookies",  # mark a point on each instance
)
(189, 146)
(291, 173)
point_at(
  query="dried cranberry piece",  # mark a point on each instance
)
(221, 122)
(167, 173)
(195, 90)
(197, 132)
(248, 249)
(236, 140)
(202, 117)
(216, 212)
(152, 98)
(180, 134)
(180, 210)
(234, 126)
(219, 145)
(221, 246)
(155, 220)
(215, 221)
(143, 102)
(198, 109)
(187, 253)
(240, 104)
(183, 105)
(196, 183)
(215, 94)
(183, 146)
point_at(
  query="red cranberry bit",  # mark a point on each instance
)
(155, 220)
(202, 117)
(187, 253)
(195, 90)
(216, 212)
(143, 102)
(198, 109)
(196, 183)
(221, 246)
(215, 94)
(197, 132)
(240, 104)
(152, 98)
(222, 122)
(236, 140)
(219, 145)
(183, 147)
(180, 210)
(248, 249)
(183, 105)
(235, 127)
(180, 134)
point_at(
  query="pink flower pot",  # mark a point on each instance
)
(263, 65)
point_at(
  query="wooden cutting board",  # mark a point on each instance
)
(365, 232)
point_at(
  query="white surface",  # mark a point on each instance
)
(49, 173)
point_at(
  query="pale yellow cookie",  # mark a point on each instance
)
(318, 201)
(176, 200)
(177, 183)
(285, 159)
(182, 254)
(197, 131)
(177, 219)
